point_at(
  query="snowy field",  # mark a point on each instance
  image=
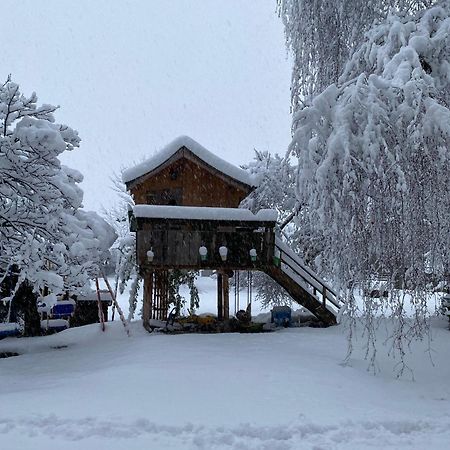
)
(84, 389)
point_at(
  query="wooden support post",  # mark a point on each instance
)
(116, 305)
(158, 296)
(226, 296)
(160, 299)
(101, 316)
(324, 296)
(165, 294)
(249, 292)
(161, 292)
(236, 291)
(154, 300)
(219, 296)
(148, 297)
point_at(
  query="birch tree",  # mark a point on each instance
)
(322, 35)
(374, 157)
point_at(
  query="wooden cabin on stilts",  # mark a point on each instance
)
(187, 216)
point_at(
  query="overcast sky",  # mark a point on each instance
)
(132, 75)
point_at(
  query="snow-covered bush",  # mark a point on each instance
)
(276, 186)
(44, 234)
(124, 249)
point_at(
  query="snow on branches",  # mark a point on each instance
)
(322, 34)
(374, 159)
(43, 232)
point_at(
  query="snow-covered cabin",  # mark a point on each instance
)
(184, 173)
(186, 210)
(186, 198)
(187, 216)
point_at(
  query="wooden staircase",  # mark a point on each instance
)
(303, 285)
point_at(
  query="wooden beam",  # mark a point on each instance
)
(219, 296)
(116, 305)
(324, 296)
(147, 303)
(226, 296)
(101, 316)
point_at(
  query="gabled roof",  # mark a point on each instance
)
(170, 150)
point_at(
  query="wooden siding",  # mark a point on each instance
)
(176, 244)
(187, 182)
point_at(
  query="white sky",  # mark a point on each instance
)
(132, 75)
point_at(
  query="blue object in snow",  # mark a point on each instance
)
(9, 329)
(62, 310)
(281, 316)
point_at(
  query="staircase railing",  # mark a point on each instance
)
(312, 282)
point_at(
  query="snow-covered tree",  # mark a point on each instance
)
(322, 34)
(276, 190)
(374, 159)
(44, 234)
(276, 186)
(124, 249)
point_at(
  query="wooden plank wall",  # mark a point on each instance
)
(186, 182)
(180, 248)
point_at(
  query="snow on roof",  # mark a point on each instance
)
(203, 213)
(198, 150)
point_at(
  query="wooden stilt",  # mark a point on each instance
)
(249, 292)
(101, 316)
(161, 296)
(238, 288)
(148, 298)
(155, 306)
(165, 294)
(154, 301)
(226, 296)
(157, 296)
(324, 296)
(116, 305)
(116, 290)
(236, 294)
(219, 296)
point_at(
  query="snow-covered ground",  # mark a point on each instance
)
(84, 389)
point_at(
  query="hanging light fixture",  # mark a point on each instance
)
(203, 251)
(253, 254)
(150, 255)
(223, 251)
